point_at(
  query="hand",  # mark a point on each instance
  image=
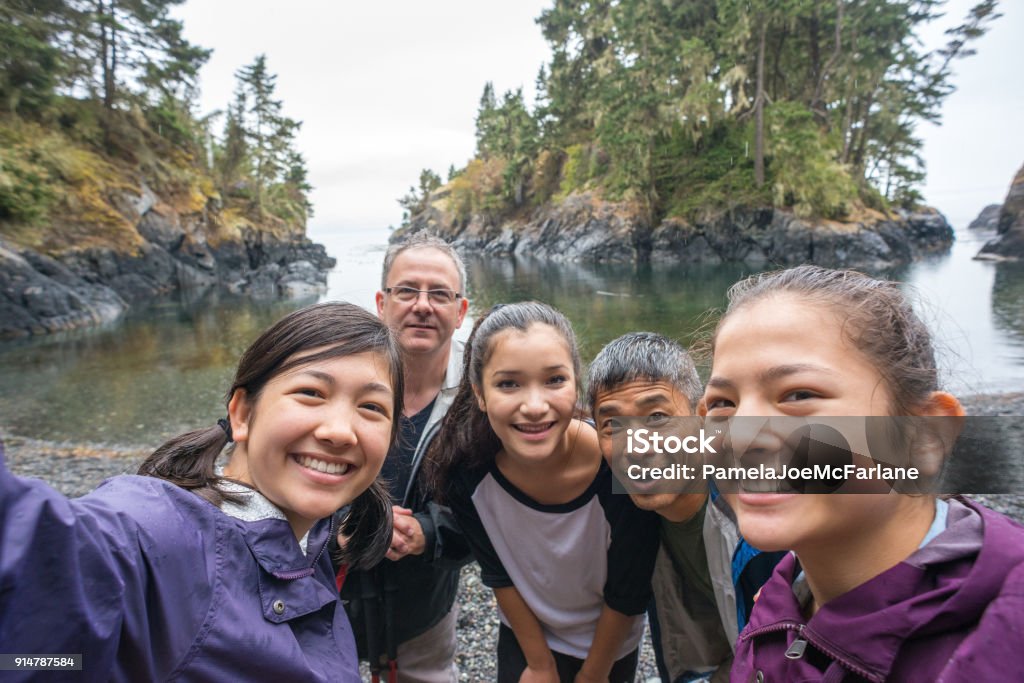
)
(583, 677)
(549, 675)
(407, 538)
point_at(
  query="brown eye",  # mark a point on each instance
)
(719, 404)
(375, 407)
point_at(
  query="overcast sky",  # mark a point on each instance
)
(387, 88)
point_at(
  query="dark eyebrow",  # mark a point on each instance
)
(550, 368)
(652, 400)
(657, 398)
(771, 374)
(322, 376)
(377, 386)
(433, 285)
(329, 380)
(780, 371)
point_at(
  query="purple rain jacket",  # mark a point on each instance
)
(149, 582)
(952, 611)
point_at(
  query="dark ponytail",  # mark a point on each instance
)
(368, 529)
(189, 461)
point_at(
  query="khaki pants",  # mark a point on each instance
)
(430, 656)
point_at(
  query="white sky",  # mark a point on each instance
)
(387, 88)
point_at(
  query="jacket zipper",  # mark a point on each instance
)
(796, 650)
(799, 646)
(330, 535)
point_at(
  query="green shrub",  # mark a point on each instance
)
(804, 170)
(478, 188)
(25, 194)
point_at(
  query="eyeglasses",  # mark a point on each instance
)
(437, 297)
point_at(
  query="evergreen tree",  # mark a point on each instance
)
(418, 198)
(268, 131)
(30, 61)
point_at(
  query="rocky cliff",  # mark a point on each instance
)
(84, 273)
(988, 219)
(585, 227)
(1008, 244)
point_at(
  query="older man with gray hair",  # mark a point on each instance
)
(698, 607)
(402, 611)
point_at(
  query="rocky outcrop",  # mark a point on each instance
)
(39, 294)
(1008, 244)
(988, 219)
(584, 227)
(169, 249)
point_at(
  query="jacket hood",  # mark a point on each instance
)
(943, 587)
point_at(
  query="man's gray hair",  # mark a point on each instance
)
(423, 240)
(643, 357)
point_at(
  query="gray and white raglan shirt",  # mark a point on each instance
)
(566, 560)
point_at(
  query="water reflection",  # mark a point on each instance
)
(1008, 305)
(606, 300)
(162, 369)
(159, 371)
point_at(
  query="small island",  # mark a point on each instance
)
(707, 132)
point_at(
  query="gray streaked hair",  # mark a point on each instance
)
(423, 240)
(643, 357)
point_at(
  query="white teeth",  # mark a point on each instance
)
(533, 429)
(322, 466)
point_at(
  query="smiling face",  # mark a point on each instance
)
(315, 437)
(528, 391)
(641, 398)
(782, 357)
(422, 327)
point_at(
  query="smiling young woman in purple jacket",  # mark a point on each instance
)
(206, 573)
(880, 586)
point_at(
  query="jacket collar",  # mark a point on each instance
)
(289, 584)
(911, 599)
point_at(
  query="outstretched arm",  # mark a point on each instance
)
(74, 575)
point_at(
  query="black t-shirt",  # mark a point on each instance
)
(398, 463)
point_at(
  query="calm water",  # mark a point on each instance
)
(162, 369)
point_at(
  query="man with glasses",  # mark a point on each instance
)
(402, 611)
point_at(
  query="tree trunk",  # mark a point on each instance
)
(848, 126)
(817, 100)
(813, 39)
(108, 52)
(759, 109)
(862, 143)
(777, 59)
